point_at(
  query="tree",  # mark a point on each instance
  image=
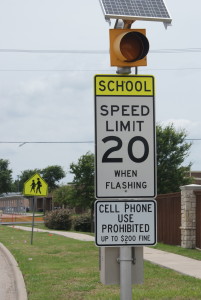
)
(171, 153)
(84, 181)
(52, 175)
(63, 196)
(5, 176)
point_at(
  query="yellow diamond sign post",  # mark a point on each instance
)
(35, 186)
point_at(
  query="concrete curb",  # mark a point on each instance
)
(21, 293)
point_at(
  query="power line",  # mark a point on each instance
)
(52, 70)
(193, 139)
(41, 142)
(67, 142)
(95, 70)
(182, 50)
(82, 51)
(61, 142)
(60, 51)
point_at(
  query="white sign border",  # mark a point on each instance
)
(127, 244)
(97, 195)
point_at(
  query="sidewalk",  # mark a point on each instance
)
(12, 284)
(72, 235)
(179, 263)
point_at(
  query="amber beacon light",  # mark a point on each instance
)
(128, 47)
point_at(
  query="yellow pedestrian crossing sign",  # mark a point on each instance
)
(35, 186)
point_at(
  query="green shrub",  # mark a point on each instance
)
(82, 223)
(58, 219)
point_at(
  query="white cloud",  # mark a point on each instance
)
(192, 127)
(33, 88)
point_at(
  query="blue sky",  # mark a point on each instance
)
(49, 96)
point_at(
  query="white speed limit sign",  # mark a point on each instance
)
(125, 136)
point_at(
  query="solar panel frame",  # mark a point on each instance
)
(147, 10)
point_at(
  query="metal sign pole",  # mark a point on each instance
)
(34, 198)
(35, 186)
(125, 252)
(125, 273)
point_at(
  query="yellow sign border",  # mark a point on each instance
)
(44, 191)
(124, 85)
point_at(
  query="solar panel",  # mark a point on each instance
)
(148, 10)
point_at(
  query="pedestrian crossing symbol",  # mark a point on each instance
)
(35, 186)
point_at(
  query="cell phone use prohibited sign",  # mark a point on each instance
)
(121, 223)
(125, 136)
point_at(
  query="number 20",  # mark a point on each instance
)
(107, 159)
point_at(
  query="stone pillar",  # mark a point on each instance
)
(188, 215)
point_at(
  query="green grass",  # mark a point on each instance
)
(58, 268)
